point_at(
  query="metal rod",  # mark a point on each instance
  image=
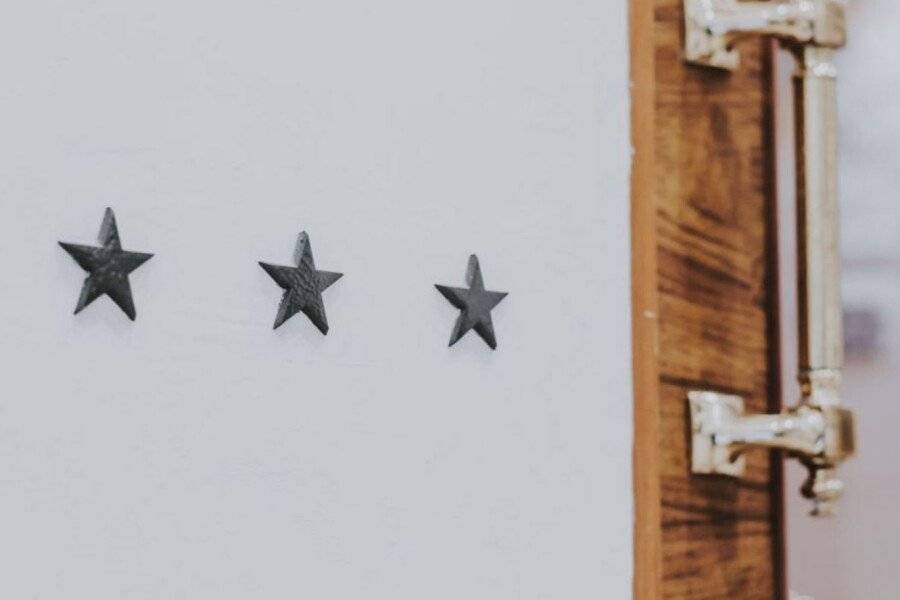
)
(818, 226)
(799, 432)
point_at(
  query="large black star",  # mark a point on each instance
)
(303, 286)
(108, 267)
(475, 303)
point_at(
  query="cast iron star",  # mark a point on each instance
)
(108, 267)
(475, 303)
(303, 286)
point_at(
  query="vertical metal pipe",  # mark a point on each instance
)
(819, 268)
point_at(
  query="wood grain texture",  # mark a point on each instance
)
(721, 538)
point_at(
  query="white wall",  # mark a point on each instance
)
(198, 454)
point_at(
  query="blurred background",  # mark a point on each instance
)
(855, 556)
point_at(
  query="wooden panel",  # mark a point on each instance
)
(645, 307)
(714, 187)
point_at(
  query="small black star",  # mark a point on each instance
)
(303, 286)
(108, 267)
(475, 303)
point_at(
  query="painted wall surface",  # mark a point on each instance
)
(199, 454)
(855, 555)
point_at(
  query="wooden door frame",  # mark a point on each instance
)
(644, 305)
(648, 544)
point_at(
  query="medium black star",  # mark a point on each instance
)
(475, 303)
(108, 267)
(303, 286)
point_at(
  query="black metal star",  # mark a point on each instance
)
(303, 286)
(108, 267)
(475, 303)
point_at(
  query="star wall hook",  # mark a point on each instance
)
(303, 286)
(475, 304)
(108, 267)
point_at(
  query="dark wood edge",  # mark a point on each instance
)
(647, 583)
(773, 310)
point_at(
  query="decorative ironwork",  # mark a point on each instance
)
(108, 267)
(303, 286)
(475, 303)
